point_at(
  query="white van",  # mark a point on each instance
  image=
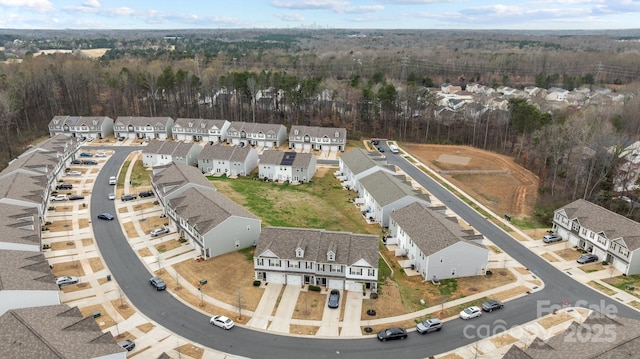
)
(112, 180)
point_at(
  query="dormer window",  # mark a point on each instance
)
(337, 134)
(203, 125)
(331, 256)
(295, 132)
(299, 253)
(190, 124)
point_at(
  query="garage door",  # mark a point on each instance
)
(335, 148)
(307, 147)
(276, 278)
(336, 284)
(298, 146)
(353, 286)
(294, 279)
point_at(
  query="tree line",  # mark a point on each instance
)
(570, 149)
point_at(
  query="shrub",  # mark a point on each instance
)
(314, 288)
(256, 283)
(374, 295)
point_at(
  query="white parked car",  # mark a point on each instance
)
(158, 231)
(112, 180)
(101, 154)
(60, 281)
(60, 197)
(222, 322)
(112, 196)
(471, 312)
(74, 173)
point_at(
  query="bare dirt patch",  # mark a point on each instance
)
(96, 264)
(514, 191)
(568, 254)
(104, 320)
(224, 285)
(59, 226)
(503, 339)
(521, 270)
(56, 246)
(123, 308)
(191, 351)
(76, 287)
(125, 335)
(87, 242)
(145, 252)
(510, 293)
(146, 327)
(73, 268)
(141, 206)
(310, 305)
(83, 223)
(549, 257)
(303, 329)
(601, 288)
(168, 245)
(593, 267)
(154, 222)
(130, 229)
(554, 319)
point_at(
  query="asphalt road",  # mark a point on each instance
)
(132, 276)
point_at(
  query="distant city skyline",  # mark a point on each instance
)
(347, 14)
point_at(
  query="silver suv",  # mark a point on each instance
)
(429, 325)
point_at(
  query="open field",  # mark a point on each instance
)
(507, 189)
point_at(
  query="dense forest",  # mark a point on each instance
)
(374, 83)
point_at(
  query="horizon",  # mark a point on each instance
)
(476, 15)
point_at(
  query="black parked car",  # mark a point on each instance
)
(127, 344)
(392, 334)
(587, 258)
(128, 197)
(89, 162)
(157, 283)
(76, 162)
(76, 197)
(145, 194)
(334, 298)
(491, 305)
(64, 186)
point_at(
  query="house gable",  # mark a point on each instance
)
(268, 254)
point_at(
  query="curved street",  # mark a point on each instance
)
(161, 307)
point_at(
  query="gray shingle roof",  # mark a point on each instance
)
(349, 247)
(359, 160)
(56, 331)
(198, 123)
(277, 158)
(205, 210)
(602, 220)
(254, 127)
(20, 225)
(618, 337)
(178, 149)
(219, 151)
(142, 121)
(431, 230)
(319, 132)
(25, 270)
(387, 188)
(22, 186)
(78, 120)
(174, 175)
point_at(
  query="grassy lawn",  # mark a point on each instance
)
(629, 284)
(320, 204)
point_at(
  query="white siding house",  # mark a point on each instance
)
(610, 236)
(143, 127)
(198, 129)
(277, 165)
(435, 245)
(336, 260)
(383, 193)
(81, 126)
(307, 138)
(228, 160)
(158, 153)
(356, 164)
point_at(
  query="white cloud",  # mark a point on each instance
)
(311, 4)
(290, 17)
(413, 2)
(91, 3)
(359, 9)
(39, 5)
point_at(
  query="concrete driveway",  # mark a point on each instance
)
(352, 315)
(262, 314)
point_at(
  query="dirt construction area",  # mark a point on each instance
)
(492, 179)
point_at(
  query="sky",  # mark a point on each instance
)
(343, 14)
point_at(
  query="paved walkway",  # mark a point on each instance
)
(262, 315)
